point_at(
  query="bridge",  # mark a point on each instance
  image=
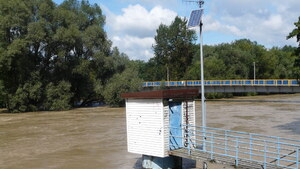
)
(231, 86)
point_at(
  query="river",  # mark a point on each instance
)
(96, 137)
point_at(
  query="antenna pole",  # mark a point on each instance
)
(200, 3)
(203, 101)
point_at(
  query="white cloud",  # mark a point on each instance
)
(274, 22)
(133, 31)
(135, 47)
(214, 25)
(154, 2)
(136, 20)
(267, 22)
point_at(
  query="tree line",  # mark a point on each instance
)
(177, 58)
(55, 57)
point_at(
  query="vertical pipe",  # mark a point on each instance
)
(254, 72)
(202, 87)
(265, 156)
(168, 76)
(297, 158)
(189, 144)
(278, 151)
(250, 147)
(226, 142)
(212, 146)
(237, 153)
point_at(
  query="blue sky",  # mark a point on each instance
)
(131, 24)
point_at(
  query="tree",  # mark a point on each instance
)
(2, 95)
(58, 96)
(127, 81)
(235, 61)
(28, 96)
(44, 46)
(173, 49)
(296, 33)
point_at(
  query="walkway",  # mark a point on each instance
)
(240, 149)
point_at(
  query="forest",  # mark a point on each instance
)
(57, 57)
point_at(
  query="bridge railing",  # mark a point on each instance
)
(247, 82)
(242, 148)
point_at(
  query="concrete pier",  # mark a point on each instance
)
(171, 162)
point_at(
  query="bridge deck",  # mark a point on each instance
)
(232, 86)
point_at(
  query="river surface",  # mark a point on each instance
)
(96, 137)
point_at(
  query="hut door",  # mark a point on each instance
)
(175, 125)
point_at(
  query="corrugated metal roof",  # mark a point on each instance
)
(178, 93)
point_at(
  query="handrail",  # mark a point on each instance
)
(263, 150)
(245, 133)
(232, 82)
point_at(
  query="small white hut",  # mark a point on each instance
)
(152, 117)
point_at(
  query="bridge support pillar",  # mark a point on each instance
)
(171, 162)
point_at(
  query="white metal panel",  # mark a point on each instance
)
(145, 126)
(166, 129)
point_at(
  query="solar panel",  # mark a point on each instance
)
(195, 18)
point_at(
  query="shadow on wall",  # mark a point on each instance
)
(293, 127)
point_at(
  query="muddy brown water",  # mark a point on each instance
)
(96, 137)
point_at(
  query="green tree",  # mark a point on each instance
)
(58, 96)
(284, 67)
(173, 49)
(235, 61)
(44, 45)
(83, 55)
(296, 33)
(214, 67)
(266, 66)
(28, 96)
(127, 81)
(2, 95)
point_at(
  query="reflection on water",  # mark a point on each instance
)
(96, 137)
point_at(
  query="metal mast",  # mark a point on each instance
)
(196, 20)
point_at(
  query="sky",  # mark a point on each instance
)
(131, 24)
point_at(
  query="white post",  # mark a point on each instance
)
(168, 76)
(254, 74)
(202, 87)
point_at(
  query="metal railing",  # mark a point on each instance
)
(245, 82)
(241, 148)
